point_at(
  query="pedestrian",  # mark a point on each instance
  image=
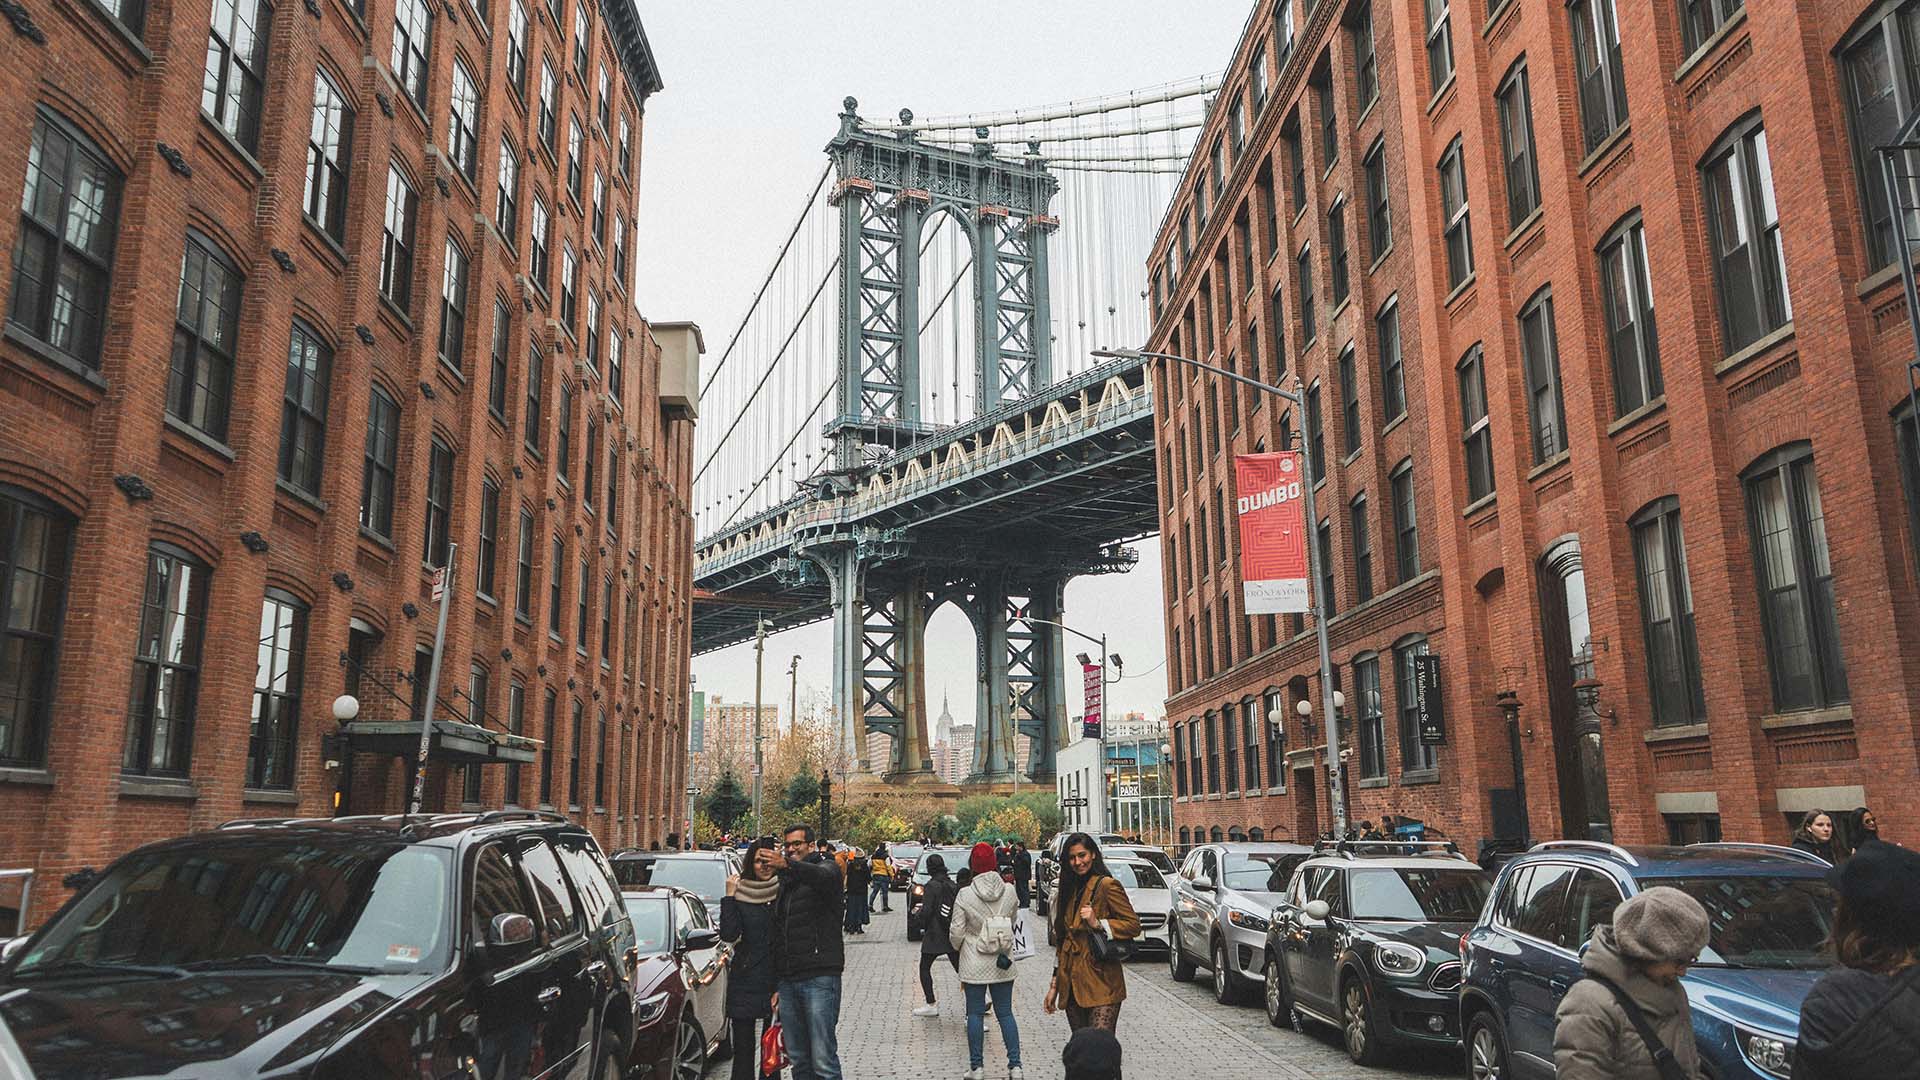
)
(882, 886)
(746, 918)
(1089, 902)
(1862, 829)
(1092, 1054)
(859, 871)
(1628, 1019)
(808, 955)
(982, 932)
(1815, 834)
(936, 919)
(1861, 1021)
(1022, 872)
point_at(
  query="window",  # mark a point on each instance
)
(590, 457)
(537, 245)
(1596, 57)
(1303, 279)
(1414, 754)
(600, 761)
(1337, 241)
(618, 271)
(1316, 435)
(599, 208)
(1795, 579)
(1282, 34)
(1243, 236)
(580, 609)
(626, 146)
(580, 41)
(506, 197)
(231, 93)
(1542, 358)
(412, 40)
(1213, 754)
(132, 14)
(1743, 225)
(35, 543)
(1180, 759)
(453, 304)
(166, 665)
(1297, 160)
(1453, 202)
(517, 51)
(563, 433)
(1349, 401)
(555, 571)
(569, 270)
(1666, 615)
(1379, 217)
(63, 258)
(575, 177)
(1393, 382)
(303, 418)
(439, 502)
(535, 376)
(1439, 45)
(1516, 142)
(1257, 76)
(396, 241)
(1406, 529)
(463, 121)
(1230, 746)
(497, 359)
(489, 537)
(1476, 438)
(1627, 302)
(523, 568)
(1683, 829)
(1371, 735)
(376, 477)
(548, 118)
(477, 680)
(1329, 123)
(205, 330)
(1366, 72)
(328, 138)
(517, 724)
(1700, 19)
(606, 622)
(577, 736)
(606, 103)
(547, 725)
(1361, 544)
(276, 692)
(1326, 567)
(613, 485)
(1881, 66)
(592, 351)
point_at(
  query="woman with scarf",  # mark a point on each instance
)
(746, 918)
(1089, 902)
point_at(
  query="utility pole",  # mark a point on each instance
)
(433, 683)
(759, 658)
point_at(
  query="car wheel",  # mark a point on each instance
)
(1178, 966)
(690, 1052)
(1486, 1049)
(1225, 990)
(1279, 996)
(1356, 1023)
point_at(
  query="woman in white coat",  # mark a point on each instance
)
(982, 932)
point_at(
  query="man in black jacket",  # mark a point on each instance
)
(1022, 872)
(809, 954)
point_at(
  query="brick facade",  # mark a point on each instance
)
(1490, 597)
(97, 448)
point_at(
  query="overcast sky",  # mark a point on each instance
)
(736, 138)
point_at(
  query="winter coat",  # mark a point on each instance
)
(1856, 1025)
(859, 872)
(936, 905)
(1078, 978)
(1806, 843)
(750, 977)
(986, 896)
(1592, 1037)
(806, 920)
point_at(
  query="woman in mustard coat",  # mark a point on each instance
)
(1089, 901)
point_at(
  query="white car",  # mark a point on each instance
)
(1147, 891)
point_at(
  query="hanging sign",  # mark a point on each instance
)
(1094, 684)
(1428, 704)
(1273, 532)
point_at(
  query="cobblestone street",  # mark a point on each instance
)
(1163, 1025)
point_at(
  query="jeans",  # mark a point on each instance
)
(809, 1013)
(882, 890)
(977, 1021)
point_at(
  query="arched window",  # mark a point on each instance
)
(1236, 834)
(1184, 837)
(1256, 834)
(1217, 835)
(64, 255)
(36, 538)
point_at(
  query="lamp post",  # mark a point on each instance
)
(1315, 558)
(686, 838)
(1508, 702)
(826, 804)
(1161, 820)
(1100, 750)
(346, 709)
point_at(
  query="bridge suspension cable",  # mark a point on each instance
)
(1196, 86)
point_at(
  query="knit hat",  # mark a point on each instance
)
(1881, 887)
(983, 860)
(1661, 924)
(1092, 1054)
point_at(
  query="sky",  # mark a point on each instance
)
(732, 144)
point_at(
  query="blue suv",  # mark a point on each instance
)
(1770, 911)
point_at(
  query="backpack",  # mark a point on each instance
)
(996, 935)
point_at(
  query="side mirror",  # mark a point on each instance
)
(697, 940)
(509, 929)
(1202, 883)
(1318, 910)
(10, 947)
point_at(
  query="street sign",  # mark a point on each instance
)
(1073, 803)
(1094, 685)
(439, 583)
(1429, 705)
(1128, 789)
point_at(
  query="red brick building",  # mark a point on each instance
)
(1603, 342)
(302, 297)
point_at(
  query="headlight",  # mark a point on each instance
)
(1771, 1054)
(650, 1009)
(919, 890)
(1394, 958)
(1247, 922)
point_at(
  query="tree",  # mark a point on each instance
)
(727, 803)
(803, 790)
(1009, 822)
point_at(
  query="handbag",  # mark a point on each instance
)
(1105, 948)
(773, 1050)
(1664, 1062)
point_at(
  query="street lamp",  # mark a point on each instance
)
(686, 838)
(1316, 558)
(1100, 750)
(1163, 799)
(346, 708)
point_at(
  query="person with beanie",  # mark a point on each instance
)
(1815, 834)
(1092, 1054)
(1861, 1021)
(1633, 967)
(746, 918)
(858, 871)
(936, 915)
(982, 931)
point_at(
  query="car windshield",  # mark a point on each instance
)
(650, 923)
(904, 852)
(1152, 855)
(1136, 875)
(1763, 922)
(955, 858)
(1417, 895)
(706, 878)
(375, 906)
(1263, 871)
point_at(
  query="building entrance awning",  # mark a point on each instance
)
(453, 742)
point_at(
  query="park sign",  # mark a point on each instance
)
(1273, 532)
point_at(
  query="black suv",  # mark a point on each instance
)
(493, 945)
(1368, 940)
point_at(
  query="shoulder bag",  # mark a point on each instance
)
(1664, 1062)
(1105, 948)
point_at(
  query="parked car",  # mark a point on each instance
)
(1223, 900)
(315, 947)
(1368, 941)
(703, 873)
(1144, 852)
(956, 860)
(1769, 912)
(1149, 894)
(680, 985)
(1046, 866)
(902, 856)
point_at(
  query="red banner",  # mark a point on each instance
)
(1273, 532)
(1094, 686)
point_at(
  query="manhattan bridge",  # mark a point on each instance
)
(909, 413)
